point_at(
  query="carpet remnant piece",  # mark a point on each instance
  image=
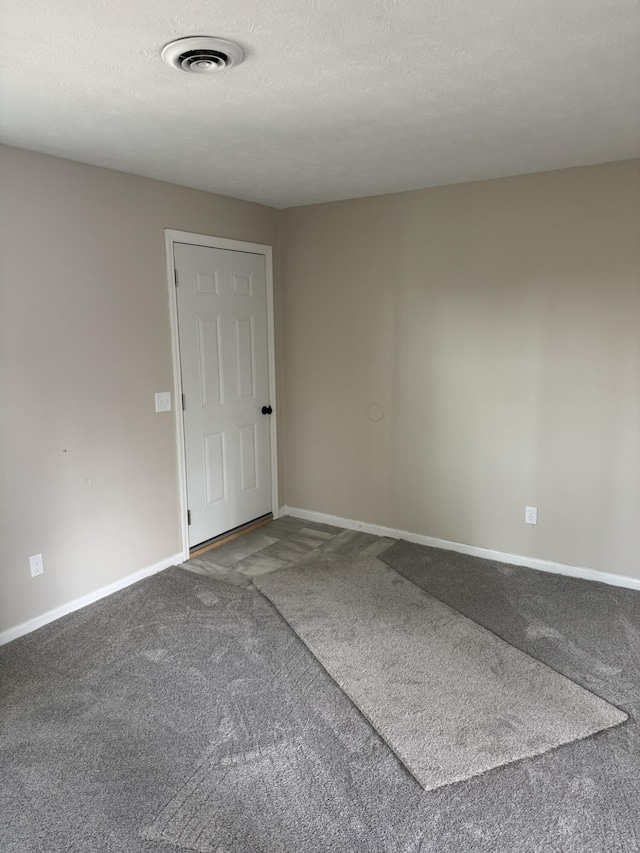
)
(449, 697)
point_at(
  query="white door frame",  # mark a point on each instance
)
(172, 237)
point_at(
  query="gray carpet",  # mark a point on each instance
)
(108, 713)
(449, 697)
(186, 692)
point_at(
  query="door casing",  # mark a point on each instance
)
(171, 237)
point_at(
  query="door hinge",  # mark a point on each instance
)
(175, 277)
(188, 516)
(184, 405)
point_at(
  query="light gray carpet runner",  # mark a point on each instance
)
(449, 697)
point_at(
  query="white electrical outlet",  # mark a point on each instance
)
(531, 515)
(163, 401)
(37, 567)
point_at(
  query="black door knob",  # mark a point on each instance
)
(266, 410)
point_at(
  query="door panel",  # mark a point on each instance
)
(210, 359)
(245, 357)
(222, 327)
(215, 479)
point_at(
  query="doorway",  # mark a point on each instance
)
(224, 377)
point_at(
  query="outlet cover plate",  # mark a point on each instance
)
(531, 514)
(36, 565)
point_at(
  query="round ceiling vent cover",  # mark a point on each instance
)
(202, 54)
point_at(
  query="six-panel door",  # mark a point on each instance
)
(222, 327)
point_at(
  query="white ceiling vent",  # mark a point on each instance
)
(202, 54)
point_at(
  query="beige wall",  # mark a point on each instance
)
(498, 324)
(88, 472)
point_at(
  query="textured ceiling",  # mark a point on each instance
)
(335, 99)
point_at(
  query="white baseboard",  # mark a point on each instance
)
(51, 615)
(472, 550)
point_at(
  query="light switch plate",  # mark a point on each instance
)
(163, 401)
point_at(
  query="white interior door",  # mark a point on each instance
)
(222, 329)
